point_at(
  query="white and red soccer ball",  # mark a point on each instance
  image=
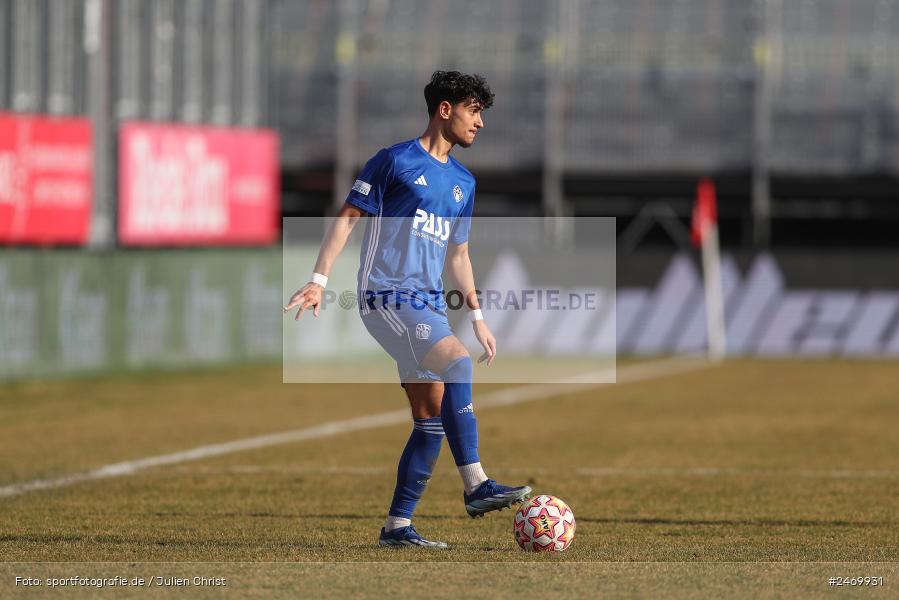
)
(544, 524)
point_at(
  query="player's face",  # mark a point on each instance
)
(464, 122)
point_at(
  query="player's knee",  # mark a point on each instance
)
(458, 370)
(426, 410)
(453, 351)
(444, 352)
(425, 399)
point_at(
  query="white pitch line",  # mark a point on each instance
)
(505, 397)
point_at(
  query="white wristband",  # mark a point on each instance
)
(476, 315)
(320, 279)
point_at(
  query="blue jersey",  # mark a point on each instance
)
(427, 204)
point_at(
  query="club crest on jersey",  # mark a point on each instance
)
(431, 224)
(457, 193)
(422, 331)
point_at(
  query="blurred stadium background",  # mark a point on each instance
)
(150, 148)
(157, 124)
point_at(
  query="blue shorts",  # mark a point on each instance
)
(408, 332)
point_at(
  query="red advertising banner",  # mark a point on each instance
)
(186, 185)
(45, 179)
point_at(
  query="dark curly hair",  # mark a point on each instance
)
(455, 87)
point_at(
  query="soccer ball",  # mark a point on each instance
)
(544, 524)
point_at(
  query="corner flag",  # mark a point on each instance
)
(704, 233)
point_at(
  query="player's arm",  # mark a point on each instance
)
(458, 263)
(310, 295)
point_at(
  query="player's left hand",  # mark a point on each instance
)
(485, 337)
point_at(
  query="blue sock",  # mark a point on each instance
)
(457, 412)
(416, 465)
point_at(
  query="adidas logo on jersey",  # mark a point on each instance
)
(421, 180)
(467, 409)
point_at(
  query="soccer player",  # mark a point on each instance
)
(418, 200)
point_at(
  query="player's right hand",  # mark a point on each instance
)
(308, 296)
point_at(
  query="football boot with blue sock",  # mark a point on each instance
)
(460, 424)
(407, 536)
(493, 496)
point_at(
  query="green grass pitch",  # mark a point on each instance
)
(749, 479)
